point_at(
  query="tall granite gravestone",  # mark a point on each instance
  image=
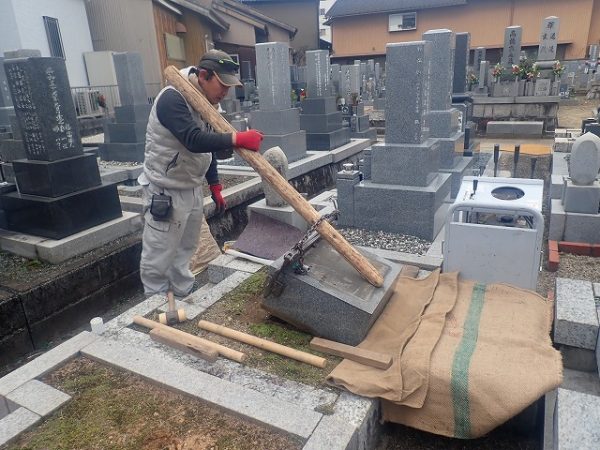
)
(353, 111)
(478, 57)
(461, 61)
(125, 139)
(320, 118)
(548, 39)
(6, 106)
(445, 122)
(483, 79)
(11, 146)
(59, 188)
(512, 46)
(405, 192)
(336, 79)
(275, 117)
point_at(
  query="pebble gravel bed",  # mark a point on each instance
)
(388, 241)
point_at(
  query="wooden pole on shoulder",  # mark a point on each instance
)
(280, 184)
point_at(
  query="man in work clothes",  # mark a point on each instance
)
(178, 155)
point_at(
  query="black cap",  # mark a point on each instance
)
(224, 67)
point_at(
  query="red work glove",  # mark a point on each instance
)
(215, 190)
(250, 139)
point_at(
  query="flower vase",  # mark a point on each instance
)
(521, 91)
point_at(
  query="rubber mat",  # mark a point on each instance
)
(266, 237)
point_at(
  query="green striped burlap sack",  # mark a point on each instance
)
(477, 356)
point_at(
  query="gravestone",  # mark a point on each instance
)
(542, 87)
(246, 71)
(336, 79)
(594, 52)
(353, 110)
(6, 107)
(231, 105)
(461, 61)
(405, 192)
(548, 39)
(512, 46)
(320, 118)
(125, 139)
(59, 188)
(350, 83)
(581, 191)
(482, 83)
(275, 117)
(478, 57)
(11, 146)
(444, 120)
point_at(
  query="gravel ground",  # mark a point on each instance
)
(388, 241)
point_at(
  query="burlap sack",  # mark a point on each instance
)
(208, 249)
(463, 376)
(392, 331)
(494, 359)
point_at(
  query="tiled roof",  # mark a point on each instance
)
(359, 7)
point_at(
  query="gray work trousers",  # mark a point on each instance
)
(168, 246)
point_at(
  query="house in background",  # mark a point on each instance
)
(179, 32)
(362, 28)
(55, 27)
(302, 14)
(324, 30)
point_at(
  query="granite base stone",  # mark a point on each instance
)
(581, 199)
(332, 300)
(292, 144)
(327, 141)
(359, 123)
(56, 218)
(443, 123)
(56, 178)
(126, 132)
(276, 122)
(370, 134)
(319, 105)
(573, 227)
(8, 172)
(463, 165)
(450, 148)
(132, 113)
(405, 164)
(415, 210)
(321, 123)
(124, 152)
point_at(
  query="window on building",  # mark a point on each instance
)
(175, 47)
(54, 39)
(322, 32)
(403, 22)
(321, 11)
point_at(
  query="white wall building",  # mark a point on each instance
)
(325, 30)
(55, 27)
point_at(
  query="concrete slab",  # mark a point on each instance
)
(56, 251)
(125, 319)
(46, 362)
(16, 423)
(426, 262)
(206, 299)
(248, 403)
(38, 397)
(304, 396)
(346, 151)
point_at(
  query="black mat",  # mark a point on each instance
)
(266, 237)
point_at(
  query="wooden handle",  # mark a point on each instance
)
(274, 178)
(264, 344)
(184, 343)
(227, 352)
(366, 357)
(171, 301)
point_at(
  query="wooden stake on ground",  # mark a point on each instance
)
(264, 344)
(227, 352)
(366, 357)
(280, 184)
(184, 344)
